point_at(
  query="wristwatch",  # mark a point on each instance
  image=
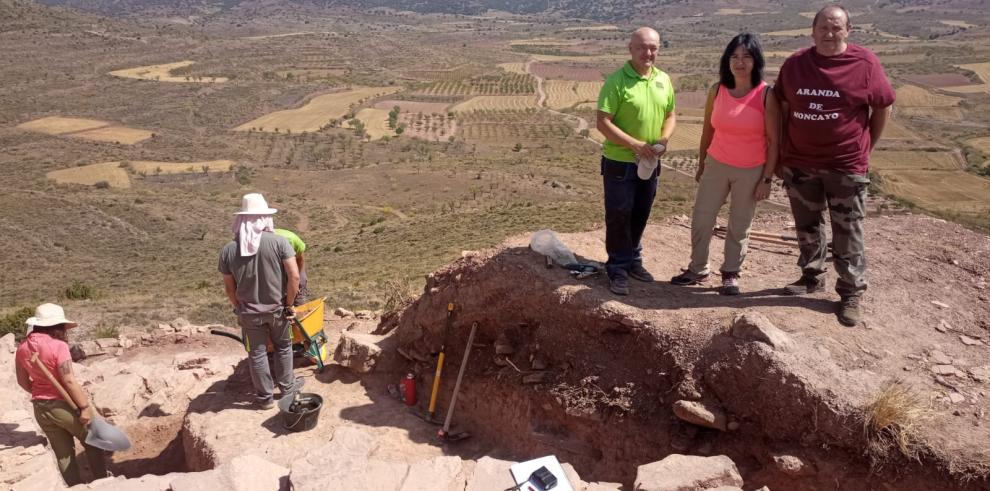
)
(767, 180)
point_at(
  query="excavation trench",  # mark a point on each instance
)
(556, 370)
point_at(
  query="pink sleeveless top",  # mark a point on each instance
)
(740, 138)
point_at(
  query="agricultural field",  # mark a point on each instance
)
(57, 125)
(687, 136)
(412, 106)
(496, 103)
(571, 71)
(941, 80)
(982, 144)
(442, 74)
(981, 70)
(894, 130)
(958, 23)
(507, 84)
(115, 134)
(150, 167)
(527, 134)
(891, 160)
(89, 175)
(88, 129)
(562, 94)
(316, 113)
(163, 73)
(942, 191)
(311, 74)
(375, 122)
(914, 101)
(517, 68)
(432, 126)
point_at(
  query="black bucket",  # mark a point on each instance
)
(301, 412)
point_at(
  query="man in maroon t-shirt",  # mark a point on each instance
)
(835, 99)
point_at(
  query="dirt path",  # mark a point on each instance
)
(541, 98)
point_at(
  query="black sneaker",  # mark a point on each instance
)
(849, 314)
(806, 285)
(730, 284)
(618, 284)
(638, 272)
(687, 278)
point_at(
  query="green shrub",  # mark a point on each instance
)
(14, 322)
(79, 291)
(106, 332)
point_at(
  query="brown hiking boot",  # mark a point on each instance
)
(806, 285)
(849, 314)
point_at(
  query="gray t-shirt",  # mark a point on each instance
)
(260, 278)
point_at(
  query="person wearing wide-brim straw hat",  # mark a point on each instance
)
(60, 423)
(261, 280)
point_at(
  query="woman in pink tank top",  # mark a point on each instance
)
(736, 159)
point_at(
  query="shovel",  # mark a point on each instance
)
(444, 434)
(101, 435)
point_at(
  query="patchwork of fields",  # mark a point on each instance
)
(316, 113)
(87, 129)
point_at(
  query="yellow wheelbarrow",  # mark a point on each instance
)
(308, 338)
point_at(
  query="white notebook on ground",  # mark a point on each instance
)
(522, 471)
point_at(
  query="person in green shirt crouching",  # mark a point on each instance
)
(299, 246)
(636, 115)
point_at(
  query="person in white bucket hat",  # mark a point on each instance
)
(48, 340)
(261, 279)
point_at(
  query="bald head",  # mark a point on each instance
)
(645, 34)
(832, 11)
(643, 48)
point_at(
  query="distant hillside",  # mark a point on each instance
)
(588, 9)
(601, 10)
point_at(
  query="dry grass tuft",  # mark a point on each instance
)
(892, 421)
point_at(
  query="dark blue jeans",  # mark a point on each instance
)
(628, 200)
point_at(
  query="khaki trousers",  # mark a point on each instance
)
(718, 182)
(60, 424)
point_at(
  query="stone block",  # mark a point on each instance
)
(754, 326)
(490, 474)
(359, 352)
(701, 413)
(687, 473)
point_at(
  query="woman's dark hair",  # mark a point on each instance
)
(752, 44)
(58, 331)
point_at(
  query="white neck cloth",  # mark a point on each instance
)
(247, 231)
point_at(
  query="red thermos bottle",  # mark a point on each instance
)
(408, 387)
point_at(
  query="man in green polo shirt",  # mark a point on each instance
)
(636, 115)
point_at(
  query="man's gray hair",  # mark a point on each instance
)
(834, 6)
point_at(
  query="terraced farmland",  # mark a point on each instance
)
(562, 94)
(687, 136)
(505, 84)
(888, 160)
(496, 103)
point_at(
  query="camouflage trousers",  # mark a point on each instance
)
(811, 191)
